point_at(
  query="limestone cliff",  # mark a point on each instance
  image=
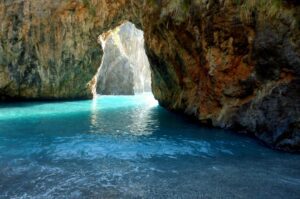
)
(231, 64)
(125, 67)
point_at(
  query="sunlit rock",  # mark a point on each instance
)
(125, 68)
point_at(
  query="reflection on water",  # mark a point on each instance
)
(94, 112)
(139, 123)
(129, 147)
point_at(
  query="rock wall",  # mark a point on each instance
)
(231, 64)
(125, 68)
(49, 49)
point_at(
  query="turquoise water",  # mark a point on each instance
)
(129, 147)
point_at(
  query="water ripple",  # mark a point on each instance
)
(129, 147)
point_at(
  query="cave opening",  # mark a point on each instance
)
(125, 69)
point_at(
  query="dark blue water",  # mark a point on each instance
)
(129, 147)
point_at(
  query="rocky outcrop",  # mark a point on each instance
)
(231, 64)
(235, 65)
(49, 49)
(125, 67)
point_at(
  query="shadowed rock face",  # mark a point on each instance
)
(232, 65)
(125, 67)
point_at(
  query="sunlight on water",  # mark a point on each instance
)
(130, 147)
(141, 117)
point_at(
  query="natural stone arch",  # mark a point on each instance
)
(214, 60)
(54, 54)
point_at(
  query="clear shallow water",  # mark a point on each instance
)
(129, 147)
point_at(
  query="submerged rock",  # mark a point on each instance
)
(125, 67)
(232, 64)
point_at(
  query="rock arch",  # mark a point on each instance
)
(215, 60)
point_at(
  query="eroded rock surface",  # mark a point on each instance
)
(125, 67)
(232, 64)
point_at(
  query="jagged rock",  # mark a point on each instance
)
(201, 54)
(125, 67)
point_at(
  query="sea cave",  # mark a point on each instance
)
(149, 99)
